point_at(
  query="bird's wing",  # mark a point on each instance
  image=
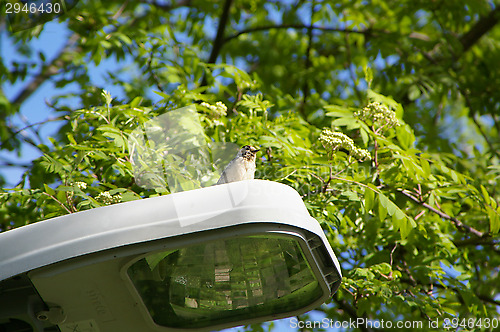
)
(235, 171)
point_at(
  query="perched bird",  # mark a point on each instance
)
(242, 167)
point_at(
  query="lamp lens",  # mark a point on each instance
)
(225, 281)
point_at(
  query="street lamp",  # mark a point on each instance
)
(204, 259)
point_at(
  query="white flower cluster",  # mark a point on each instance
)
(333, 140)
(81, 185)
(379, 114)
(106, 198)
(218, 110)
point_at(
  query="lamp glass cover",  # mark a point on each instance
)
(224, 280)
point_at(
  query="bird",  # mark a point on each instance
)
(242, 167)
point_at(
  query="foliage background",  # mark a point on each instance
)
(415, 228)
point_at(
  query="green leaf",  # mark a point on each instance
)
(389, 205)
(125, 39)
(364, 135)
(350, 122)
(369, 199)
(383, 201)
(405, 136)
(49, 190)
(52, 165)
(338, 111)
(368, 75)
(66, 188)
(403, 223)
(136, 102)
(425, 167)
(374, 96)
(383, 268)
(494, 218)
(71, 139)
(486, 196)
(414, 92)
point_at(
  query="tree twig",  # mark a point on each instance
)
(58, 202)
(59, 118)
(455, 221)
(472, 113)
(152, 72)
(481, 131)
(329, 179)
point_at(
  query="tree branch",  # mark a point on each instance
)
(351, 311)
(481, 131)
(488, 299)
(486, 240)
(350, 68)
(219, 38)
(456, 222)
(152, 72)
(4, 162)
(366, 32)
(58, 202)
(472, 115)
(30, 125)
(483, 298)
(479, 29)
(307, 65)
(468, 39)
(60, 61)
(169, 7)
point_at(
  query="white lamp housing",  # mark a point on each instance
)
(205, 259)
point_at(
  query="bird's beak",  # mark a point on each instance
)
(255, 150)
